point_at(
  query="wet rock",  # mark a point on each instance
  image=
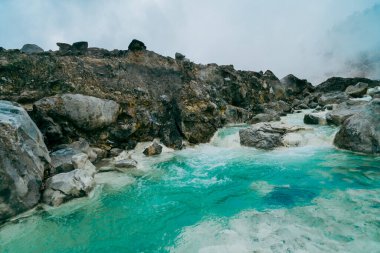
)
(358, 90)
(61, 160)
(154, 149)
(264, 117)
(136, 45)
(125, 164)
(332, 98)
(361, 132)
(374, 91)
(343, 111)
(236, 114)
(31, 49)
(23, 160)
(266, 136)
(74, 184)
(315, 119)
(115, 152)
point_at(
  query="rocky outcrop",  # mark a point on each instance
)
(361, 132)
(159, 97)
(334, 84)
(23, 160)
(295, 86)
(74, 184)
(266, 136)
(357, 90)
(136, 45)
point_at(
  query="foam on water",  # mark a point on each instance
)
(219, 197)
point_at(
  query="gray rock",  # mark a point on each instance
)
(264, 117)
(126, 164)
(115, 152)
(80, 46)
(361, 132)
(374, 91)
(23, 160)
(85, 112)
(343, 111)
(358, 90)
(74, 184)
(236, 114)
(179, 56)
(154, 149)
(266, 136)
(332, 98)
(61, 160)
(31, 49)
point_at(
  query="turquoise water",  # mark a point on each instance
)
(221, 197)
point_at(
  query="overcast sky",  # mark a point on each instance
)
(312, 39)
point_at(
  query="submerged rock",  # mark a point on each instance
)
(23, 160)
(154, 149)
(361, 132)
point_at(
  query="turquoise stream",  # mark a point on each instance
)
(221, 197)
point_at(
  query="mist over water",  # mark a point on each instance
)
(311, 39)
(221, 197)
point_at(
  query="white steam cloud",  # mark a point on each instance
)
(311, 39)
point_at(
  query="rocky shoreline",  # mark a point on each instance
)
(63, 111)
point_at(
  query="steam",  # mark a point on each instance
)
(311, 39)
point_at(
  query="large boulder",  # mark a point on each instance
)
(296, 86)
(332, 98)
(74, 184)
(266, 136)
(85, 112)
(64, 118)
(343, 111)
(31, 49)
(358, 90)
(361, 132)
(23, 160)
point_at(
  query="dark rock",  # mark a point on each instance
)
(136, 45)
(80, 46)
(179, 56)
(361, 132)
(236, 114)
(296, 86)
(61, 160)
(23, 160)
(314, 119)
(63, 47)
(276, 87)
(115, 152)
(154, 149)
(31, 49)
(334, 84)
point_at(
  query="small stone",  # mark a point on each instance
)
(154, 149)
